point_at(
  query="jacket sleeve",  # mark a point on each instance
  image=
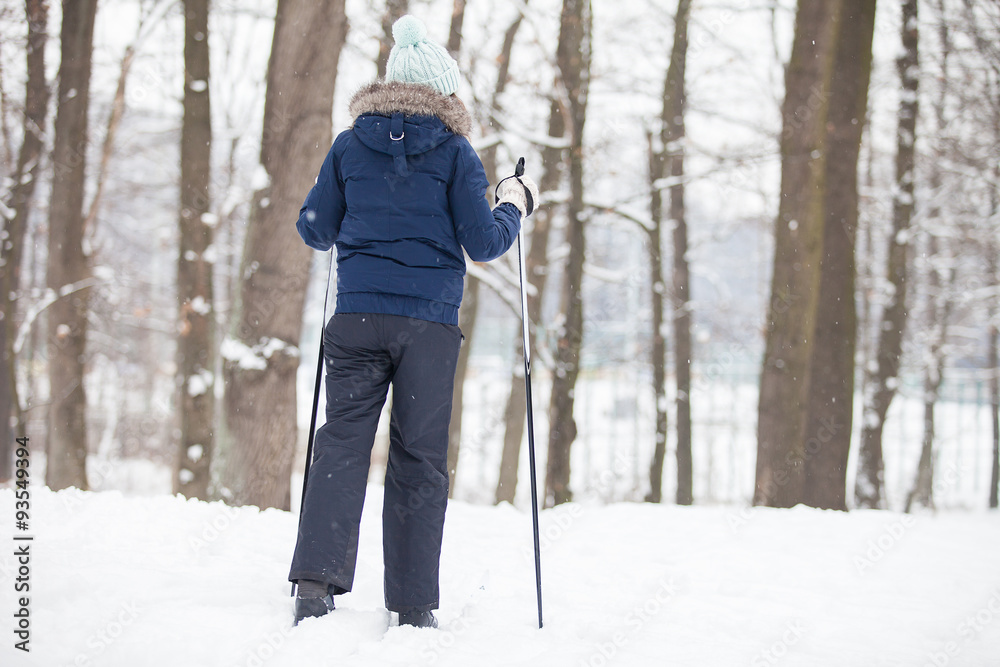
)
(324, 207)
(485, 234)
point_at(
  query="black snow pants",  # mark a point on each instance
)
(365, 353)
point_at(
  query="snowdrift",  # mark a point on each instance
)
(164, 581)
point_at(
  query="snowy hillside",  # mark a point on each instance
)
(162, 581)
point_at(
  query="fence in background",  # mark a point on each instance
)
(615, 417)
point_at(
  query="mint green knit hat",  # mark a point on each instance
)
(415, 59)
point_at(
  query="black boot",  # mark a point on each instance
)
(311, 600)
(418, 619)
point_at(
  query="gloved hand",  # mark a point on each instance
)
(520, 191)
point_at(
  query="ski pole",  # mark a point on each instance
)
(518, 171)
(315, 405)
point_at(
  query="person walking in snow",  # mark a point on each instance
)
(400, 194)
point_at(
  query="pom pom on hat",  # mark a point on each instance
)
(416, 59)
(408, 31)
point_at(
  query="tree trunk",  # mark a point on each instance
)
(261, 353)
(922, 492)
(15, 228)
(108, 145)
(986, 47)
(195, 297)
(467, 323)
(536, 270)
(866, 277)
(791, 319)
(681, 274)
(466, 315)
(993, 353)
(455, 32)
(394, 9)
(881, 389)
(939, 309)
(994, 365)
(658, 360)
(830, 408)
(573, 57)
(6, 137)
(66, 448)
(939, 301)
(671, 151)
(470, 301)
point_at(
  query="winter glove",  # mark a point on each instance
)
(518, 190)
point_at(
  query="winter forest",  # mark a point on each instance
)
(763, 273)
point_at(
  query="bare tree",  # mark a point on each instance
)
(993, 333)
(681, 272)
(470, 300)
(939, 302)
(15, 227)
(993, 362)
(455, 32)
(195, 297)
(6, 137)
(984, 32)
(671, 152)
(658, 349)
(68, 268)
(798, 248)
(7, 164)
(261, 354)
(573, 57)
(394, 9)
(470, 306)
(866, 278)
(881, 386)
(939, 310)
(467, 323)
(831, 387)
(535, 268)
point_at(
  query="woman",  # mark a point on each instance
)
(400, 194)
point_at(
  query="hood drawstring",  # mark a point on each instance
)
(396, 147)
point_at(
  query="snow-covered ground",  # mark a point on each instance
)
(163, 581)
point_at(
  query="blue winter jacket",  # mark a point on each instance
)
(400, 194)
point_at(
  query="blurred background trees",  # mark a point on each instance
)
(795, 201)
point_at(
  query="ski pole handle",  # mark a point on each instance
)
(518, 173)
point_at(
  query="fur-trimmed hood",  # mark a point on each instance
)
(385, 98)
